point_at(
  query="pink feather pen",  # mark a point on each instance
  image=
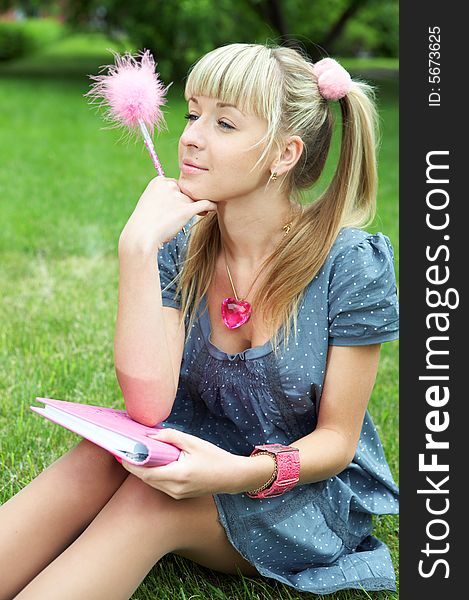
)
(132, 93)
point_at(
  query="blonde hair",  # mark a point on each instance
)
(278, 84)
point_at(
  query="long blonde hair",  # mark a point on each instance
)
(278, 84)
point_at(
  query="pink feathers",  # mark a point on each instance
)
(334, 81)
(132, 92)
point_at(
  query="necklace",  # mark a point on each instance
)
(236, 311)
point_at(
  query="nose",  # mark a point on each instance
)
(193, 134)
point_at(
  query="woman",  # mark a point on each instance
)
(261, 327)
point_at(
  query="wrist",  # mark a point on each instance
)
(253, 472)
(139, 248)
(286, 474)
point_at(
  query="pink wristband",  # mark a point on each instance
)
(287, 474)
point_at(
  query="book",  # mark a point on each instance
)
(112, 429)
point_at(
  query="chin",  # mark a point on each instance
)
(188, 191)
(185, 189)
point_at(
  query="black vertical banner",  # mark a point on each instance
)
(434, 238)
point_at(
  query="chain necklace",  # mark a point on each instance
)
(237, 311)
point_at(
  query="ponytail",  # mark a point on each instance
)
(356, 177)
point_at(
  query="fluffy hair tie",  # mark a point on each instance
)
(334, 82)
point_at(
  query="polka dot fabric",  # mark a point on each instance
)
(317, 537)
(363, 297)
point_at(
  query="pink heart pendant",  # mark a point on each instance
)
(235, 312)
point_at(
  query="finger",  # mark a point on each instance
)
(169, 180)
(157, 477)
(131, 468)
(183, 441)
(204, 206)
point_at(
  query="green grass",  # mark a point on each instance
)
(66, 191)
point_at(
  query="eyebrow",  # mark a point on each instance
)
(220, 104)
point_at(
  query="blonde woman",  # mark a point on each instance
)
(250, 323)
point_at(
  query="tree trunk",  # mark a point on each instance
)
(271, 11)
(337, 28)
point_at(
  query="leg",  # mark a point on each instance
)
(134, 530)
(48, 514)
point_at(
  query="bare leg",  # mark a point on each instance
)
(47, 515)
(133, 531)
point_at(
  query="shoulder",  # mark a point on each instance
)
(358, 253)
(352, 241)
(363, 305)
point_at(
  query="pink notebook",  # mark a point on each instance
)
(111, 429)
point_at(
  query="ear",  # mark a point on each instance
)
(290, 155)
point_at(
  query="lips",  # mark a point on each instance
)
(189, 164)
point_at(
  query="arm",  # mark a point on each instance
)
(348, 383)
(149, 338)
(148, 341)
(350, 377)
(204, 468)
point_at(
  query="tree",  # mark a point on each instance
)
(179, 31)
(274, 13)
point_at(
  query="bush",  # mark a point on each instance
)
(19, 38)
(14, 41)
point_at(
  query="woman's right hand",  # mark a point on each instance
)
(161, 212)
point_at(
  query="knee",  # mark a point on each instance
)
(91, 461)
(92, 450)
(137, 497)
(86, 452)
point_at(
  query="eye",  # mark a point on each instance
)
(223, 125)
(226, 125)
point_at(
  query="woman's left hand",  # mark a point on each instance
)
(201, 470)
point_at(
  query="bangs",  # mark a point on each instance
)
(240, 74)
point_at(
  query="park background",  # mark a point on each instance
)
(67, 188)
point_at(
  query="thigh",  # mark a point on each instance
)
(47, 515)
(188, 527)
(131, 533)
(204, 540)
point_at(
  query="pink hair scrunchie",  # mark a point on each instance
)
(334, 82)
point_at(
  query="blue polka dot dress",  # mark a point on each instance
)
(317, 537)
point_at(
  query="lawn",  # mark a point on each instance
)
(66, 191)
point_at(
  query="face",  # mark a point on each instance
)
(219, 139)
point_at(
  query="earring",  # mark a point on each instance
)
(274, 176)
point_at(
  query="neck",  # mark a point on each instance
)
(250, 231)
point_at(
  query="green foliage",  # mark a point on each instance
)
(374, 32)
(30, 8)
(179, 31)
(13, 41)
(19, 38)
(73, 56)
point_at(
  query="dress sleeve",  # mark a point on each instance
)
(170, 259)
(363, 305)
